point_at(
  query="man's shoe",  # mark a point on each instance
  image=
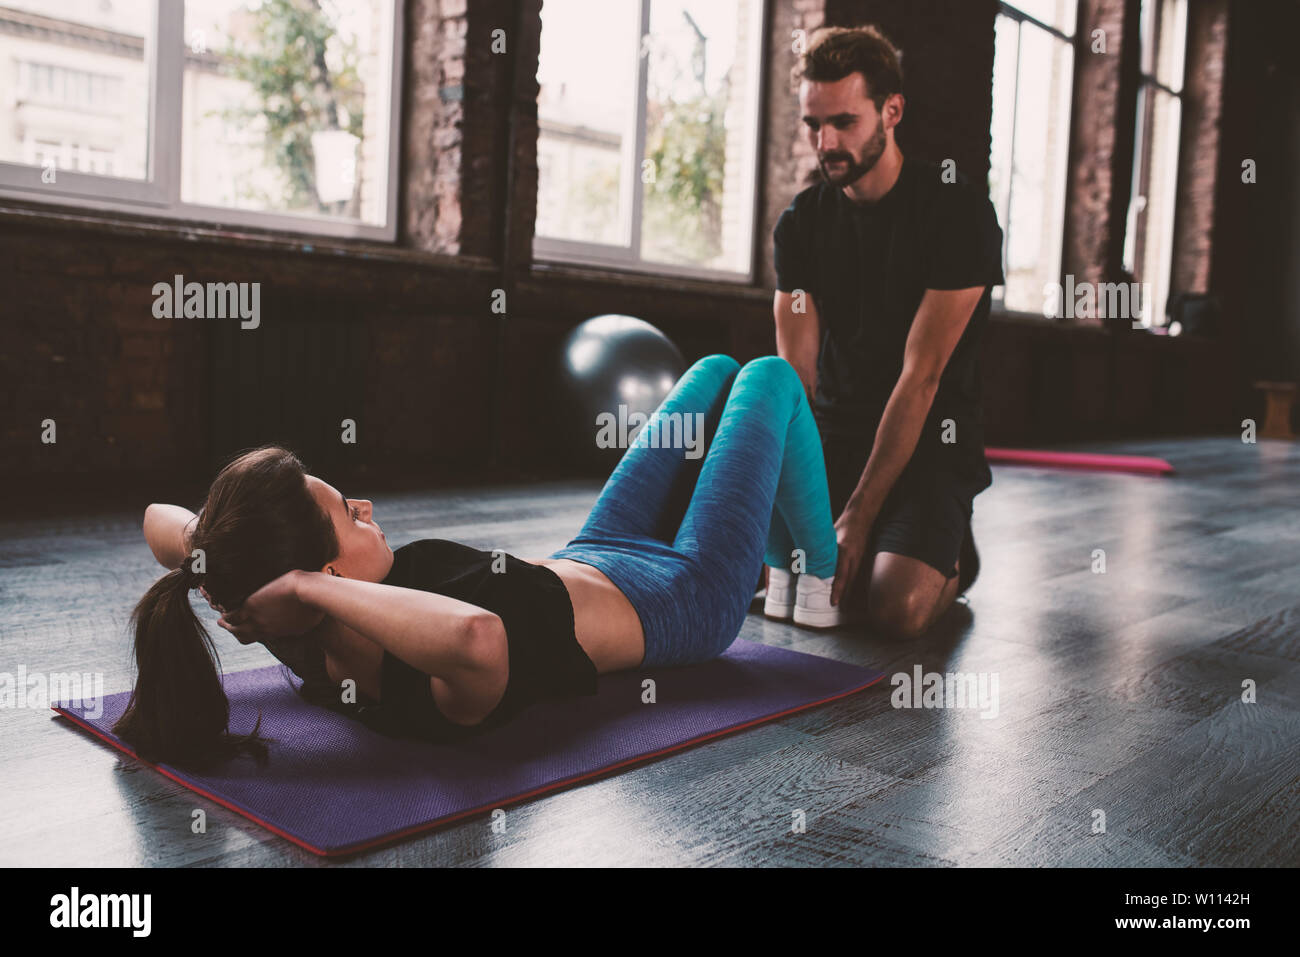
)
(968, 562)
(779, 602)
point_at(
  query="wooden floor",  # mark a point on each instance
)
(1119, 692)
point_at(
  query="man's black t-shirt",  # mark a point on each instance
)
(867, 266)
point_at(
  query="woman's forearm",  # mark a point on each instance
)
(428, 631)
(166, 530)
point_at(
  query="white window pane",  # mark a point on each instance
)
(1060, 14)
(1157, 202)
(1035, 209)
(80, 85)
(1147, 37)
(1006, 45)
(286, 107)
(1172, 43)
(699, 130)
(585, 110)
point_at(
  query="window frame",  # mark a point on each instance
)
(1021, 18)
(1136, 221)
(551, 251)
(158, 194)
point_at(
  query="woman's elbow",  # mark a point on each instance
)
(484, 647)
(149, 527)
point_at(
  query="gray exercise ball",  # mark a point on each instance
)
(612, 368)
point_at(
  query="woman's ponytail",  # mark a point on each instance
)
(259, 521)
(179, 712)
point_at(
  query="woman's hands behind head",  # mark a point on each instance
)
(220, 610)
(273, 611)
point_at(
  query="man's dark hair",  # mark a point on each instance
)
(835, 52)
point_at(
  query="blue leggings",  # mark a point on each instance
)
(683, 532)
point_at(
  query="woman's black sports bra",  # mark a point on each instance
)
(546, 660)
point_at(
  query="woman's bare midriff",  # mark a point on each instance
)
(605, 623)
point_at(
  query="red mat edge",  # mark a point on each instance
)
(451, 818)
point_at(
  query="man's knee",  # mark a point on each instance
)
(903, 613)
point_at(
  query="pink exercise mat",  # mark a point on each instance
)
(1093, 461)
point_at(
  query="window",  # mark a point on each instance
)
(648, 138)
(273, 113)
(1033, 78)
(1149, 237)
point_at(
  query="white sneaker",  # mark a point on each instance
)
(812, 606)
(780, 593)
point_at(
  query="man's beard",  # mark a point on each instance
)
(858, 167)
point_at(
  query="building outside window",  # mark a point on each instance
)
(648, 139)
(274, 113)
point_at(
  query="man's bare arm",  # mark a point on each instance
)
(799, 336)
(939, 323)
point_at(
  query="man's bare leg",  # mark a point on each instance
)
(905, 596)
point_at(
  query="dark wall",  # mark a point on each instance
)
(1291, 262)
(441, 388)
(1258, 230)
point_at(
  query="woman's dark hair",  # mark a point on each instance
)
(259, 521)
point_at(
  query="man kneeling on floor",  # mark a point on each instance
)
(884, 275)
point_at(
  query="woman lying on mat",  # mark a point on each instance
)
(440, 640)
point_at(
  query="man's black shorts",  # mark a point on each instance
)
(925, 516)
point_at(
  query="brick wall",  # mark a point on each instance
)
(463, 91)
(789, 159)
(82, 347)
(407, 346)
(1207, 32)
(1101, 135)
(432, 116)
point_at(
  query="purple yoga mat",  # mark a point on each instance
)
(333, 786)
